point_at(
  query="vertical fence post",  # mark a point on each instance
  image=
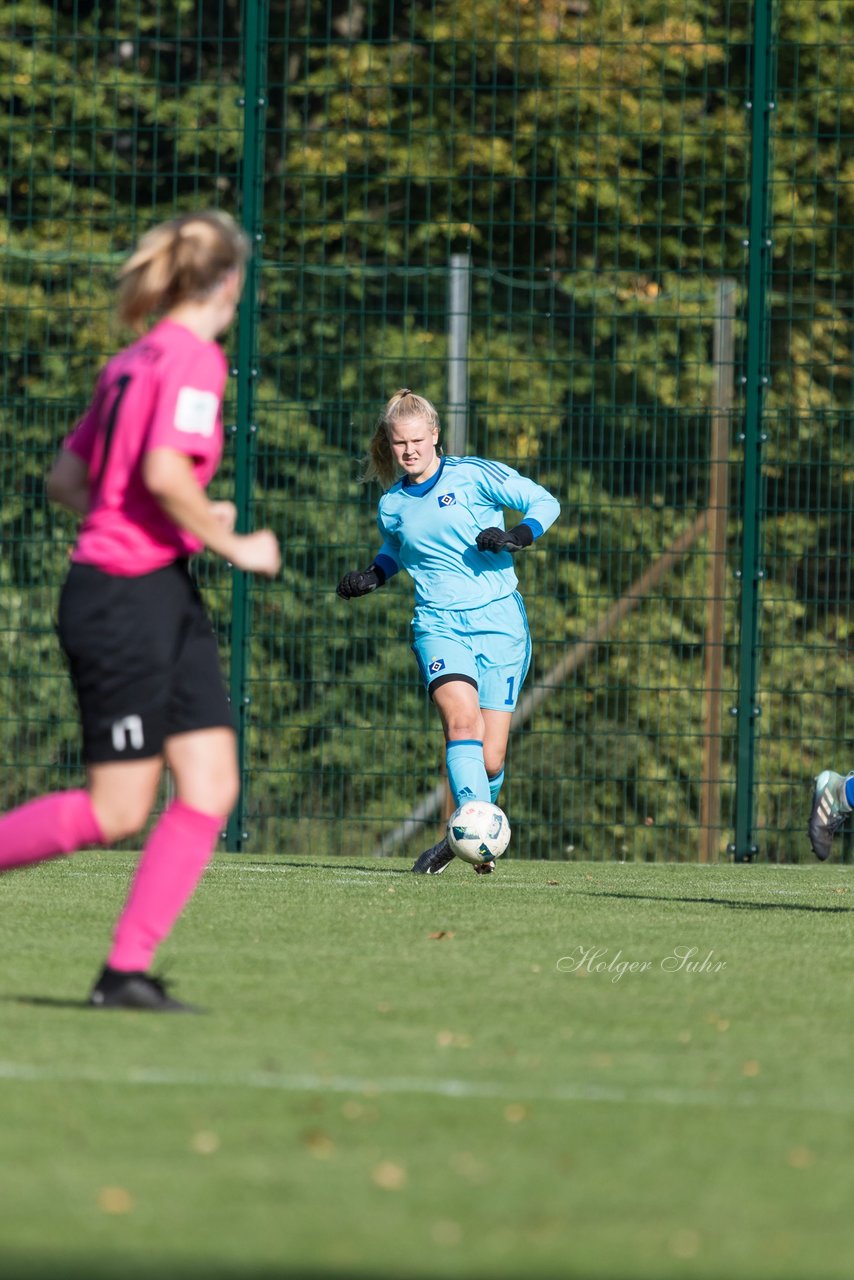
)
(755, 381)
(253, 101)
(459, 325)
(456, 433)
(719, 445)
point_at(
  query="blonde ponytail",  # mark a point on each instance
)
(177, 261)
(380, 464)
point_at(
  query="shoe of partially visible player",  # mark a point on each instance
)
(830, 810)
(484, 868)
(432, 862)
(116, 989)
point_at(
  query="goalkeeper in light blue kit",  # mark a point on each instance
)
(442, 521)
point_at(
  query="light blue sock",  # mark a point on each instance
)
(848, 788)
(466, 770)
(495, 785)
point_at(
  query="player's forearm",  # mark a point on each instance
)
(74, 500)
(538, 508)
(68, 483)
(169, 479)
(541, 513)
(195, 515)
(386, 562)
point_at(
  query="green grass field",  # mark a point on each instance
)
(415, 1077)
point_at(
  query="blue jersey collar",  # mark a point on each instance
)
(419, 490)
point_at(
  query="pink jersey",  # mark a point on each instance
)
(162, 392)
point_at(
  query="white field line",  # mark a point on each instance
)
(655, 1095)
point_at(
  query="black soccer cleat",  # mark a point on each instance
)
(432, 862)
(116, 989)
(830, 810)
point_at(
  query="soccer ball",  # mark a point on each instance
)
(478, 832)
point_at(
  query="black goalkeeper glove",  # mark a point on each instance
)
(359, 582)
(505, 539)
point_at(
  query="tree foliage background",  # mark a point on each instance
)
(594, 159)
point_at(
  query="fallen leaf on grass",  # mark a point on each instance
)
(389, 1176)
(205, 1143)
(115, 1200)
(318, 1143)
(442, 934)
(447, 1039)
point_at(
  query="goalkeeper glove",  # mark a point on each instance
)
(505, 539)
(359, 582)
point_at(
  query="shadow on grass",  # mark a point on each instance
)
(22, 1268)
(719, 902)
(54, 1002)
(49, 1002)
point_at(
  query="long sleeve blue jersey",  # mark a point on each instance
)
(429, 529)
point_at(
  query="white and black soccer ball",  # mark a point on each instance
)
(478, 832)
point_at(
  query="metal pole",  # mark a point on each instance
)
(718, 507)
(755, 381)
(459, 326)
(456, 428)
(253, 102)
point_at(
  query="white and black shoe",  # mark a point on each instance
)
(830, 811)
(432, 862)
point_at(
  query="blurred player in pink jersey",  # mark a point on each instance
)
(140, 647)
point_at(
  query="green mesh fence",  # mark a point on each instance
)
(612, 242)
(804, 687)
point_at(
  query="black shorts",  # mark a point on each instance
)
(143, 658)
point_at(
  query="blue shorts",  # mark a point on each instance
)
(489, 648)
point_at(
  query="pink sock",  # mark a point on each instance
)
(59, 823)
(177, 852)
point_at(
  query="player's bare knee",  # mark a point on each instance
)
(121, 823)
(462, 726)
(227, 795)
(214, 792)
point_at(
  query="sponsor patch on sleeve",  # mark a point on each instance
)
(195, 411)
